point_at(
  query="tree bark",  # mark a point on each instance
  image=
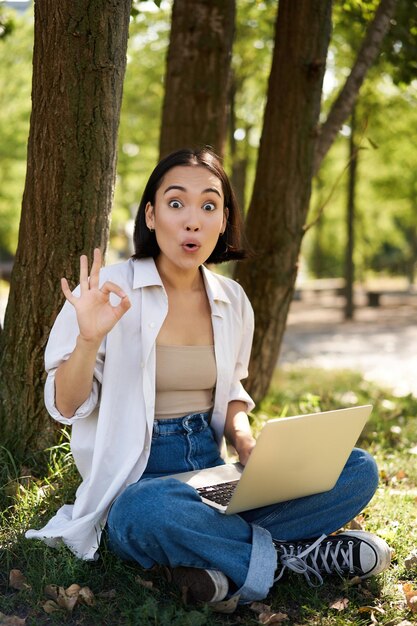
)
(350, 220)
(238, 163)
(198, 75)
(343, 105)
(282, 188)
(78, 70)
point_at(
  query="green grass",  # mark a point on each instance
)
(28, 501)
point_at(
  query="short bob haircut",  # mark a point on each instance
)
(228, 246)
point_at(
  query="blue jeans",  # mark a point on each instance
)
(165, 522)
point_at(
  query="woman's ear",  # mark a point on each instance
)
(149, 216)
(225, 216)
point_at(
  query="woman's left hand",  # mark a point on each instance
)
(244, 444)
(238, 431)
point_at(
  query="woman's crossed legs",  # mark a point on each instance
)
(165, 522)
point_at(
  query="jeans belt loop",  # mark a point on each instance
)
(155, 429)
(186, 424)
(198, 421)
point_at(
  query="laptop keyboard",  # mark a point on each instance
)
(221, 493)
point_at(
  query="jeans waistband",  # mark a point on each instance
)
(192, 423)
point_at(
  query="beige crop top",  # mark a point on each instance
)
(185, 380)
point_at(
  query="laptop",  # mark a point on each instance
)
(293, 457)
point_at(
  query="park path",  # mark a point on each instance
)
(381, 342)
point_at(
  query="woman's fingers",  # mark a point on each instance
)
(91, 285)
(122, 307)
(67, 291)
(92, 282)
(109, 287)
(95, 269)
(84, 273)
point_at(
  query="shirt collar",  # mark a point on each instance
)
(214, 287)
(145, 273)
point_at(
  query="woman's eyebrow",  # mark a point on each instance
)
(180, 188)
(212, 190)
(174, 187)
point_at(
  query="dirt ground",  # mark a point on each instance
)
(380, 342)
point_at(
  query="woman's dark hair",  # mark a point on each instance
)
(228, 246)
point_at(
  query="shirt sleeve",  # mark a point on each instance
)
(61, 343)
(237, 391)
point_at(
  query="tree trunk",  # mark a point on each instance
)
(282, 188)
(198, 75)
(239, 163)
(78, 69)
(350, 220)
(343, 105)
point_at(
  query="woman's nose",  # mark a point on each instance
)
(192, 222)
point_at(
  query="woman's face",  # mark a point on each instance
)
(188, 216)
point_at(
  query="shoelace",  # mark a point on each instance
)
(334, 557)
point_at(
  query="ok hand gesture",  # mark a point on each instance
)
(95, 314)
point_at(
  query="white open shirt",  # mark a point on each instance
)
(111, 431)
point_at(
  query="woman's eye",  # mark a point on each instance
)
(209, 206)
(175, 204)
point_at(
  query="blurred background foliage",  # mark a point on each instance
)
(386, 114)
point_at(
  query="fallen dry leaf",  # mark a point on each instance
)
(410, 596)
(86, 596)
(50, 606)
(356, 580)
(411, 560)
(339, 605)
(17, 580)
(51, 591)
(66, 602)
(11, 620)
(272, 618)
(372, 610)
(60, 598)
(358, 523)
(73, 590)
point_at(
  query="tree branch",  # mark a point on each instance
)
(344, 102)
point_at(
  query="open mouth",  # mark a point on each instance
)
(190, 246)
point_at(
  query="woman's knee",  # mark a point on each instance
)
(149, 504)
(365, 470)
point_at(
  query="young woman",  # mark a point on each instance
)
(145, 362)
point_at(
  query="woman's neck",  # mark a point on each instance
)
(175, 279)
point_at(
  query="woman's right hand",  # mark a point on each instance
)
(95, 314)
